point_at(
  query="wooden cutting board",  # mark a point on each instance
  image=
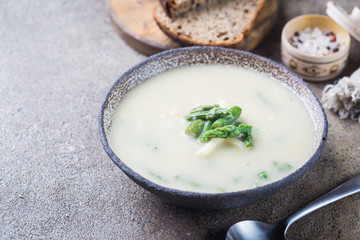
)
(134, 21)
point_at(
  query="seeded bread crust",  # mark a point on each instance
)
(223, 24)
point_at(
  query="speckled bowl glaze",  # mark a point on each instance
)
(212, 55)
(314, 68)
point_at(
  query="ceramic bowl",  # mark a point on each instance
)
(314, 68)
(180, 57)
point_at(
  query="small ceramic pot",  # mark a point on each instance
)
(314, 68)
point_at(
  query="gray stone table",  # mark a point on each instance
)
(57, 60)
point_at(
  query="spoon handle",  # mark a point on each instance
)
(348, 188)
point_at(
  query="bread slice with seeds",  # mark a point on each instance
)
(222, 24)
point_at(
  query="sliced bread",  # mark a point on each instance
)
(174, 8)
(221, 24)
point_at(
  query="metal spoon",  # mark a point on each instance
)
(254, 230)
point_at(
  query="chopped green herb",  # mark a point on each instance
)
(264, 100)
(187, 181)
(263, 175)
(194, 184)
(157, 176)
(283, 167)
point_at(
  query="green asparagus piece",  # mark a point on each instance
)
(249, 141)
(246, 135)
(219, 132)
(229, 131)
(244, 129)
(201, 108)
(195, 128)
(229, 119)
(207, 127)
(213, 121)
(212, 114)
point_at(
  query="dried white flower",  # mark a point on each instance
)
(344, 97)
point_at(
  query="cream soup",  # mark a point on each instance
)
(147, 130)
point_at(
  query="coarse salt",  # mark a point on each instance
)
(314, 42)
